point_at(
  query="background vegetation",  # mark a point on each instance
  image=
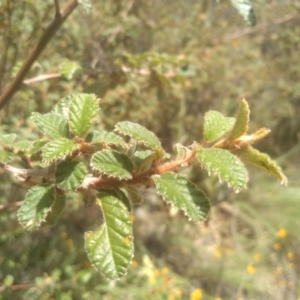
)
(162, 64)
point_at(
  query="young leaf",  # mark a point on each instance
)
(70, 174)
(22, 146)
(103, 136)
(122, 197)
(246, 140)
(261, 161)
(216, 125)
(53, 125)
(83, 110)
(245, 9)
(62, 106)
(56, 210)
(241, 123)
(140, 156)
(69, 68)
(37, 146)
(143, 161)
(58, 149)
(225, 165)
(142, 135)
(110, 249)
(133, 194)
(112, 163)
(183, 194)
(7, 140)
(5, 156)
(36, 206)
(259, 134)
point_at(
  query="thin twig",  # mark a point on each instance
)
(41, 78)
(8, 41)
(16, 83)
(13, 204)
(255, 29)
(28, 172)
(17, 287)
(118, 29)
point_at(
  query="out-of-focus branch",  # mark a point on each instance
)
(57, 10)
(37, 50)
(41, 78)
(255, 29)
(12, 204)
(28, 172)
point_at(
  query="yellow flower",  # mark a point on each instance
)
(250, 269)
(69, 242)
(164, 271)
(155, 273)
(278, 271)
(257, 257)
(175, 295)
(152, 280)
(196, 294)
(292, 265)
(134, 263)
(289, 284)
(217, 253)
(281, 283)
(290, 256)
(282, 233)
(63, 235)
(277, 246)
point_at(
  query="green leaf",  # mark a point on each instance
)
(7, 140)
(182, 193)
(62, 106)
(37, 146)
(83, 110)
(70, 174)
(53, 125)
(143, 161)
(5, 156)
(133, 194)
(112, 163)
(140, 156)
(56, 210)
(58, 149)
(216, 125)
(245, 9)
(69, 68)
(36, 206)
(259, 134)
(22, 146)
(103, 136)
(142, 135)
(122, 197)
(242, 120)
(110, 249)
(262, 161)
(86, 5)
(225, 165)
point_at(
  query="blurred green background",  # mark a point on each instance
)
(162, 64)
